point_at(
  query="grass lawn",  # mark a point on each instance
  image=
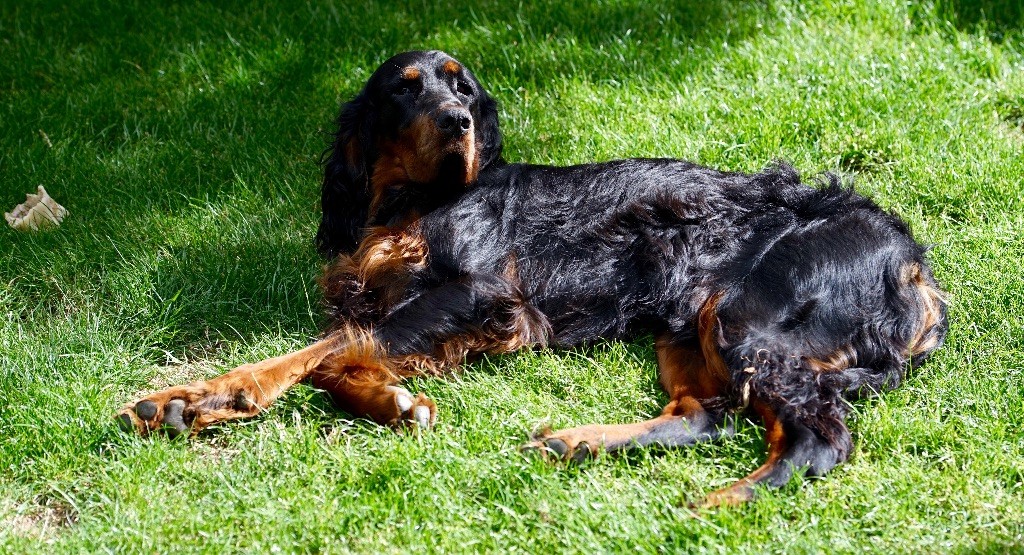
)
(184, 139)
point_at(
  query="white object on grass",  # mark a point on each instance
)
(39, 211)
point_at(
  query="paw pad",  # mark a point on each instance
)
(175, 418)
(146, 416)
(146, 410)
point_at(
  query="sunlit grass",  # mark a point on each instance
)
(184, 139)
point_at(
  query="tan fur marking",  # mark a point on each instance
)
(531, 326)
(411, 73)
(246, 390)
(742, 490)
(451, 67)
(843, 358)
(598, 436)
(362, 351)
(684, 372)
(361, 380)
(512, 269)
(932, 302)
(526, 331)
(385, 251)
(532, 329)
(416, 156)
(420, 364)
(385, 261)
(707, 331)
(399, 162)
(528, 328)
(525, 327)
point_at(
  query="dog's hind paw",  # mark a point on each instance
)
(554, 447)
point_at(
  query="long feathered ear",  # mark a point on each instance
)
(489, 135)
(345, 194)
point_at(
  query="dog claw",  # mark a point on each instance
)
(529, 449)
(145, 417)
(422, 416)
(557, 446)
(413, 412)
(404, 402)
(557, 449)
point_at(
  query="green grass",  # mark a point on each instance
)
(184, 139)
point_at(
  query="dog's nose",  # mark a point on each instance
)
(454, 121)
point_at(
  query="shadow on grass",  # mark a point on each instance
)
(150, 108)
(998, 18)
(237, 290)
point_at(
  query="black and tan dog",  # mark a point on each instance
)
(764, 294)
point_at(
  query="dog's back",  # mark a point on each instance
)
(609, 250)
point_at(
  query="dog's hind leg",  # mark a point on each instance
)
(241, 393)
(804, 421)
(685, 375)
(792, 446)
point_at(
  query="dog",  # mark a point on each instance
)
(765, 296)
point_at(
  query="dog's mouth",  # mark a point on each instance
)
(425, 154)
(454, 167)
(456, 160)
(451, 178)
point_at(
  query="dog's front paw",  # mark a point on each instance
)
(148, 416)
(187, 409)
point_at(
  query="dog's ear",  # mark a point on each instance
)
(489, 135)
(345, 193)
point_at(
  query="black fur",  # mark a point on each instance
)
(345, 191)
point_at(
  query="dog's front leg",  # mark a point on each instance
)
(243, 392)
(431, 333)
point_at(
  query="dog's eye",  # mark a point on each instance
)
(464, 88)
(409, 86)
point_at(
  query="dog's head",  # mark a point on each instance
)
(415, 137)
